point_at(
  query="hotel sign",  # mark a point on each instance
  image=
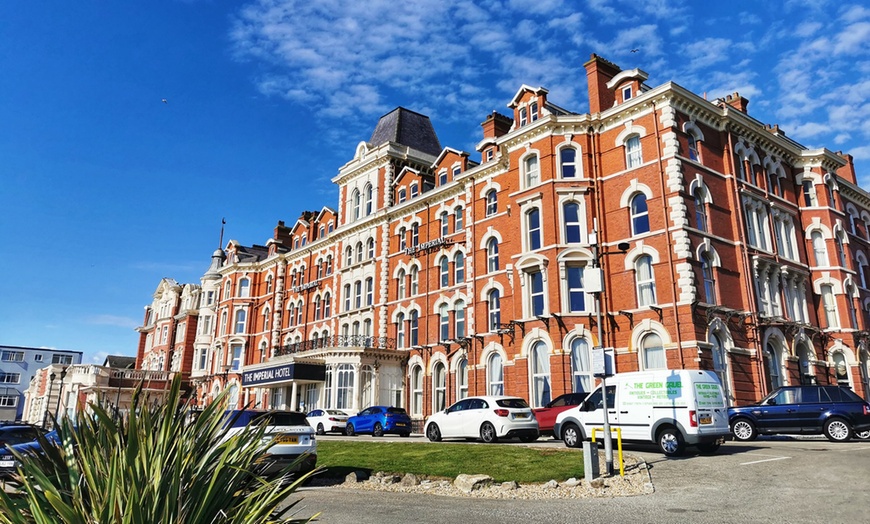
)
(284, 373)
(427, 246)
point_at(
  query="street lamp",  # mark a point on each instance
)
(59, 392)
(45, 403)
(597, 291)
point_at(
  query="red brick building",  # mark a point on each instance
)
(443, 273)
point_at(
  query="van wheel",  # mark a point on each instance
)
(378, 430)
(671, 442)
(433, 433)
(708, 447)
(838, 430)
(348, 430)
(571, 436)
(744, 430)
(487, 433)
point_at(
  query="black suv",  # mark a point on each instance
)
(835, 411)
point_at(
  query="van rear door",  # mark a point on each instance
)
(712, 410)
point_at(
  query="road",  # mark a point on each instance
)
(772, 479)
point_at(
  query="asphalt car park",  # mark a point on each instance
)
(771, 479)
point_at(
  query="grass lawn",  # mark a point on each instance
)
(502, 463)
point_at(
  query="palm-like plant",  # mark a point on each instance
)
(153, 465)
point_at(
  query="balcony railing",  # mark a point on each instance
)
(337, 341)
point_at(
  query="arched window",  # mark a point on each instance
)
(457, 219)
(359, 251)
(459, 267)
(269, 280)
(540, 363)
(850, 304)
(400, 330)
(417, 390)
(370, 291)
(633, 154)
(492, 255)
(576, 292)
(439, 387)
(709, 280)
(459, 319)
(536, 299)
(645, 281)
(533, 228)
(317, 308)
(412, 327)
(495, 375)
(357, 294)
(329, 265)
(344, 389)
(720, 365)
(653, 352)
(830, 305)
(327, 305)
(820, 250)
(415, 235)
(241, 318)
(400, 284)
(700, 209)
(491, 202)
(443, 323)
(804, 363)
(370, 248)
(531, 170)
(493, 302)
(639, 214)
(693, 147)
(841, 369)
(567, 160)
(414, 190)
(402, 195)
(348, 260)
(368, 199)
(367, 395)
(347, 296)
(299, 313)
(444, 266)
(403, 241)
(462, 378)
(445, 224)
(414, 281)
(356, 204)
(267, 317)
(773, 366)
(571, 213)
(581, 368)
(244, 288)
(291, 315)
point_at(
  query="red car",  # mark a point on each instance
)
(547, 415)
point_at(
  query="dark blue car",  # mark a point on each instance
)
(8, 462)
(379, 420)
(835, 411)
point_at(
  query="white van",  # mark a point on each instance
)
(671, 408)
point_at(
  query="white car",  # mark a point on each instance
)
(290, 439)
(488, 418)
(326, 420)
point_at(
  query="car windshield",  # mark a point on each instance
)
(400, 411)
(283, 418)
(516, 403)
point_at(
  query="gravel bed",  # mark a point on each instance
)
(636, 481)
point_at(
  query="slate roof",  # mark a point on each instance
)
(252, 254)
(408, 129)
(120, 362)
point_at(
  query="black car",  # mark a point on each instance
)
(835, 411)
(11, 434)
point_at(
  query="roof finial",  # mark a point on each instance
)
(221, 241)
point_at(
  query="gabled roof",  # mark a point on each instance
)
(445, 152)
(407, 128)
(523, 88)
(119, 362)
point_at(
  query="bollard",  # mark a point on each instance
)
(590, 460)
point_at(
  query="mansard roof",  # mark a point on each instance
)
(407, 128)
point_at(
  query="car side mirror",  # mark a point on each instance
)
(771, 402)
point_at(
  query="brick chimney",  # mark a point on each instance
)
(282, 233)
(598, 72)
(738, 102)
(848, 171)
(496, 125)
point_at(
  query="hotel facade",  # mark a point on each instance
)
(712, 240)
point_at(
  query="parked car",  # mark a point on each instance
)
(672, 408)
(326, 420)
(9, 463)
(291, 440)
(488, 418)
(379, 420)
(835, 411)
(11, 434)
(547, 415)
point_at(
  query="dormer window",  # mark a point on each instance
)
(414, 190)
(626, 93)
(456, 170)
(533, 110)
(442, 177)
(489, 154)
(402, 195)
(524, 116)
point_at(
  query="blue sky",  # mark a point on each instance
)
(106, 189)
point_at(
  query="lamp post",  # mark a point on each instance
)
(47, 401)
(59, 392)
(596, 256)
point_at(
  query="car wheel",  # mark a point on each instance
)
(838, 430)
(744, 430)
(348, 430)
(433, 433)
(670, 442)
(378, 430)
(320, 430)
(863, 435)
(487, 433)
(708, 447)
(528, 438)
(571, 436)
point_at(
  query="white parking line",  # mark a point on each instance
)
(765, 460)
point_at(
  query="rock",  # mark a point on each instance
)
(512, 484)
(356, 476)
(571, 483)
(410, 480)
(469, 483)
(552, 484)
(597, 483)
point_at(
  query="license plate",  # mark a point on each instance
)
(521, 415)
(401, 424)
(287, 439)
(706, 419)
(7, 463)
